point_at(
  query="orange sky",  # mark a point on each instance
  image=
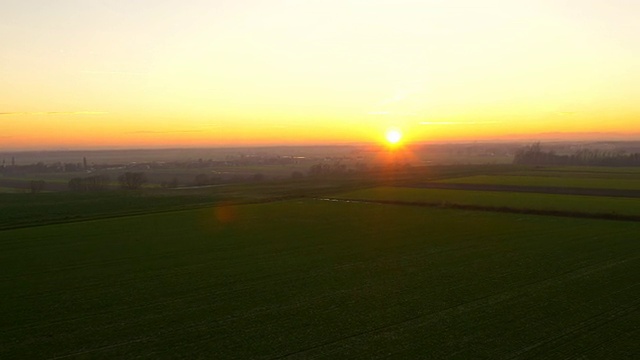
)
(90, 73)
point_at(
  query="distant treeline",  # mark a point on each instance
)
(91, 183)
(534, 155)
(339, 168)
(11, 168)
(128, 181)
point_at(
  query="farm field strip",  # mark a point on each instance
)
(595, 172)
(25, 210)
(578, 204)
(284, 277)
(479, 306)
(343, 279)
(606, 170)
(547, 181)
(203, 325)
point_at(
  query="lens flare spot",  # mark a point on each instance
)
(225, 213)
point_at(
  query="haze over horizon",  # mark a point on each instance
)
(164, 73)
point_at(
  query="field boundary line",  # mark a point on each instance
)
(83, 352)
(144, 212)
(553, 190)
(500, 209)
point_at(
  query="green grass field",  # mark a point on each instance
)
(9, 190)
(316, 279)
(23, 210)
(604, 170)
(498, 199)
(610, 182)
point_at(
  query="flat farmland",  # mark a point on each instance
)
(592, 182)
(591, 170)
(8, 190)
(320, 279)
(24, 210)
(601, 205)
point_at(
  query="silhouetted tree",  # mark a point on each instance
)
(91, 183)
(170, 184)
(36, 186)
(201, 180)
(533, 155)
(327, 169)
(76, 185)
(132, 180)
(316, 170)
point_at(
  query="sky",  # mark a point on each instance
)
(167, 73)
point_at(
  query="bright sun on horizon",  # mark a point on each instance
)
(393, 136)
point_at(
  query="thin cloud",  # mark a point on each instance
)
(162, 132)
(114, 72)
(54, 113)
(394, 113)
(395, 98)
(405, 91)
(458, 122)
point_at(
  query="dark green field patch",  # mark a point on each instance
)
(23, 210)
(577, 204)
(551, 181)
(306, 279)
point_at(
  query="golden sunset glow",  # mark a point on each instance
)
(223, 73)
(393, 136)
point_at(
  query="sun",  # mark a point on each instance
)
(393, 136)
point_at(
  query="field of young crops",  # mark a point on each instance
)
(23, 210)
(606, 171)
(319, 279)
(501, 199)
(610, 182)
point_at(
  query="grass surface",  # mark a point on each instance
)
(610, 182)
(23, 210)
(497, 199)
(11, 190)
(314, 279)
(606, 170)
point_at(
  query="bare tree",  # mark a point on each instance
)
(132, 180)
(91, 183)
(36, 186)
(201, 180)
